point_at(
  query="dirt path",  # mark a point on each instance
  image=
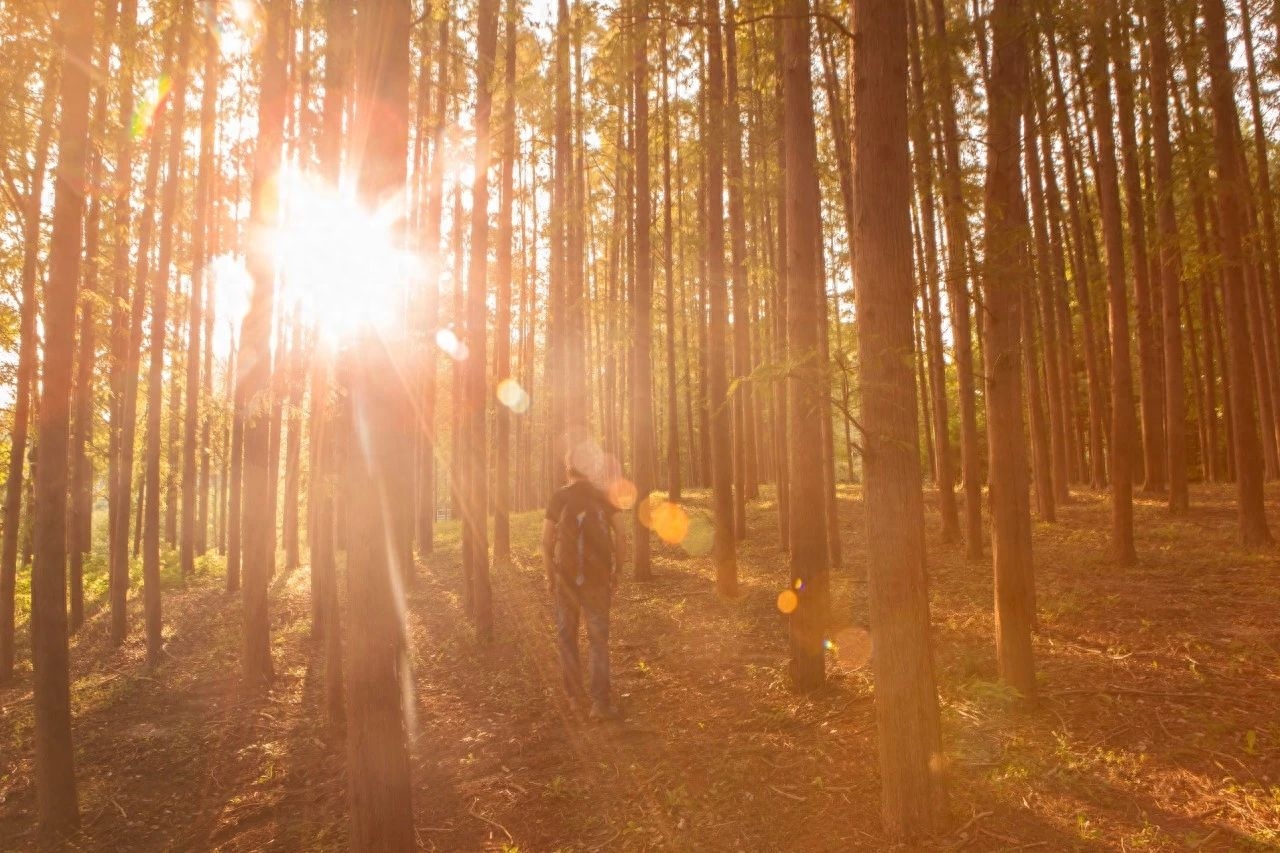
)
(1157, 730)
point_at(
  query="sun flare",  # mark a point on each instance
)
(341, 264)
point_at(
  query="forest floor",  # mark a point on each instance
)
(1158, 726)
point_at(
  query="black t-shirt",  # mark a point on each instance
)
(582, 488)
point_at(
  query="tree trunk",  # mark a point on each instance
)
(377, 754)
(743, 408)
(923, 162)
(25, 381)
(1231, 190)
(254, 391)
(642, 450)
(914, 793)
(159, 328)
(56, 807)
(958, 238)
(502, 328)
(716, 354)
(204, 199)
(1122, 414)
(1170, 265)
(1006, 266)
(1152, 390)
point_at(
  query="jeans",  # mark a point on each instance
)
(573, 604)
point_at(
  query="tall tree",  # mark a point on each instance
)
(1122, 415)
(642, 295)
(25, 379)
(502, 328)
(159, 329)
(720, 424)
(958, 275)
(56, 801)
(1232, 189)
(913, 799)
(1169, 255)
(476, 391)
(253, 386)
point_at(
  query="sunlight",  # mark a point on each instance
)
(340, 263)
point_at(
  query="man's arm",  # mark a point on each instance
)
(549, 551)
(619, 544)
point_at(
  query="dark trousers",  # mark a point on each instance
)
(574, 604)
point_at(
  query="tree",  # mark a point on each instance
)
(476, 392)
(159, 329)
(720, 407)
(25, 381)
(1004, 276)
(907, 722)
(381, 416)
(642, 297)
(253, 386)
(1122, 415)
(1231, 194)
(1167, 248)
(56, 801)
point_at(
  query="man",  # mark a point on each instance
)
(583, 553)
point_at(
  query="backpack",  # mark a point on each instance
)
(584, 547)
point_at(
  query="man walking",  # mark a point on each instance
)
(583, 553)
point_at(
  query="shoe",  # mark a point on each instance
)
(604, 713)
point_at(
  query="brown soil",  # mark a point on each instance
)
(1158, 726)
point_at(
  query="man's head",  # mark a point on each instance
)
(582, 461)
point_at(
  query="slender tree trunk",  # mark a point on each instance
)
(1170, 265)
(642, 389)
(1122, 415)
(57, 812)
(716, 355)
(1231, 190)
(254, 391)
(958, 293)
(1006, 265)
(502, 329)
(923, 162)
(476, 392)
(743, 408)
(914, 793)
(25, 381)
(205, 189)
(673, 414)
(377, 754)
(80, 520)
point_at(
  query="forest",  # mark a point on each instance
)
(918, 361)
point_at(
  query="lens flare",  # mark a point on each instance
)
(511, 395)
(788, 601)
(144, 114)
(345, 265)
(644, 512)
(670, 522)
(449, 344)
(852, 646)
(700, 538)
(622, 493)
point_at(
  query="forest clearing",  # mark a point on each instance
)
(1157, 730)
(745, 425)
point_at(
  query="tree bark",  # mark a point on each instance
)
(254, 391)
(1006, 266)
(1122, 415)
(717, 401)
(57, 812)
(914, 794)
(1231, 190)
(1170, 265)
